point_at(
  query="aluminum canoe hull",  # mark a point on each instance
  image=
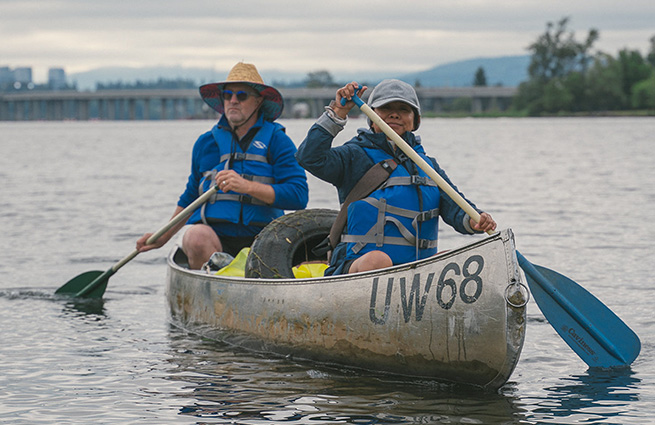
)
(457, 317)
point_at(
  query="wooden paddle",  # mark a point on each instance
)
(590, 328)
(92, 284)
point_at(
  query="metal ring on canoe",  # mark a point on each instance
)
(519, 297)
(288, 241)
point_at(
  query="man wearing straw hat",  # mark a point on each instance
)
(251, 159)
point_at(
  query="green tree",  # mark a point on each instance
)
(643, 94)
(557, 97)
(651, 54)
(557, 70)
(319, 79)
(529, 97)
(480, 79)
(634, 68)
(604, 81)
(556, 53)
(576, 83)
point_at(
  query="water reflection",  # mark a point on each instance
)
(75, 306)
(90, 307)
(230, 385)
(595, 395)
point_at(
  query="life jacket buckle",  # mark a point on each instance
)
(239, 156)
(419, 180)
(427, 215)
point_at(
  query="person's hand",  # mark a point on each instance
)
(141, 243)
(229, 180)
(486, 224)
(347, 92)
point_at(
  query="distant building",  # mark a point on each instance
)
(6, 77)
(23, 75)
(56, 78)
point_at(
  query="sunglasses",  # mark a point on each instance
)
(241, 95)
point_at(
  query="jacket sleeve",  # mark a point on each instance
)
(449, 211)
(317, 156)
(291, 190)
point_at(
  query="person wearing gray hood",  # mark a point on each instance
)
(386, 220)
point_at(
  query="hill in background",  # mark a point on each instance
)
(507, 71)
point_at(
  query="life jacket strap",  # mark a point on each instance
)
(361, 240)
(244, 199)
(408, 180)
(376, 233)
(373, 178)
(243, 156)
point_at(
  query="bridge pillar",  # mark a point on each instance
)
(495, 104)
(131, 109)
(83, 107)
(437, 105)
(102, 109)
(146, 109)
(164, 109)
(34, 113)
(476, 105)
(179, 110)
(111, 109)
(4, 111)
(20, 110)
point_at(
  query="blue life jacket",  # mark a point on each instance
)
(392, 216)
(253, 164)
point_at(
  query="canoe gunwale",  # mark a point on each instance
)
(173, 263)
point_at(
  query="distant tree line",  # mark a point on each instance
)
(565, 76)
(161, 83)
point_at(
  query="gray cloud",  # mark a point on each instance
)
(294, 35)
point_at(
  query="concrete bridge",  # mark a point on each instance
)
(186, 104)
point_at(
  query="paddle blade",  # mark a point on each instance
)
(588, 326)
(79, 282)
(90, 284)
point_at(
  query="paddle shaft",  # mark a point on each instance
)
(183, 215)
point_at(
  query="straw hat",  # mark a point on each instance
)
(245, 73)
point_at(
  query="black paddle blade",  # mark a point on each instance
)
(588, 326)
(90, 284)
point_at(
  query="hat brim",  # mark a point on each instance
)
(382, 102)
(271, 108)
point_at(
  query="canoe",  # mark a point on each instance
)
(458, 317)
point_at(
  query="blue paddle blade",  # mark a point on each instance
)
(588, 326)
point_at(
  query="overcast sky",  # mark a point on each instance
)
(299, 35)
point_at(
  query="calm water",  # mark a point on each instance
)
(578, 193)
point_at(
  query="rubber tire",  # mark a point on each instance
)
(287, 242)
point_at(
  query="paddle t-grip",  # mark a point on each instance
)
(359, 102)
